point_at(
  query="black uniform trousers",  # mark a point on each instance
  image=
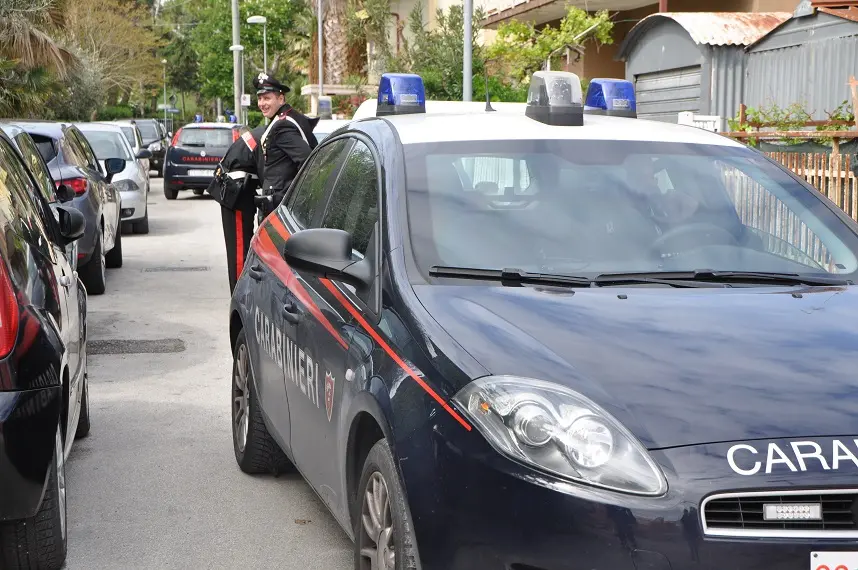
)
(237, 233)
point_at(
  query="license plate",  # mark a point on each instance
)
(201, 172)
(834, 561)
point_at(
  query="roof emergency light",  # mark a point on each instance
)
(400, 94)
(555, 98)
(614, 97)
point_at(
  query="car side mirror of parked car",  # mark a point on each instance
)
(113, 166)
(72, 223)
(64, 193)
(327, 252)
(144, 153)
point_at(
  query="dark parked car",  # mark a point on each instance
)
(73, 164)
(44, 392)
(194, 154)
(156, 139)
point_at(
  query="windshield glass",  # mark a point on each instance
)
(201, 136)
(148, 131)
(107, 145)
(591, 207)
(129, 135)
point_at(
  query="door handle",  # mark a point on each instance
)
(255, 272)
(291, 312)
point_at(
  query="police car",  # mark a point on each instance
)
(555, 336)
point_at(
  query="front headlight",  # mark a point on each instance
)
(126, 185)
(155, 147)
(557, 430)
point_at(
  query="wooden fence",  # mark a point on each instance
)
(830, 174)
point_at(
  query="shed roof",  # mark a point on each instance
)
(711, 28)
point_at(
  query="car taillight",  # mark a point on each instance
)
(176, 137)
(79, 185)
(8, 313)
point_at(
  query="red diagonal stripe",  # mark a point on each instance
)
(269, 255)
(354, 312)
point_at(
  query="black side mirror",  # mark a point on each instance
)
(327, 252)
(64, 193)
(72, 223)
(144, 153)
(113, 166)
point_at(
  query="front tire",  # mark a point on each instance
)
(384, 536)
(114, 256)
(83, 424)
(170, 193)
(255, 449)
(40, 542)
(94, 273)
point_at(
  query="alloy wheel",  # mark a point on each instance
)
(241, 398)
(376, 540)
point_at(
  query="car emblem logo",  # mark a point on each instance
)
(329, 394)
(203, 153)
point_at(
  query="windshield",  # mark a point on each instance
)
(591, 207)
(148, 131)
(201, 136)
(107, 144)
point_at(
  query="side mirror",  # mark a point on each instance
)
(64, 193)
(72, 223)
(144, 153)
(113, 166)
(327, 252)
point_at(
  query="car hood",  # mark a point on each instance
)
(675, 366)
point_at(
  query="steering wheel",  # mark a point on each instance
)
(706, 234)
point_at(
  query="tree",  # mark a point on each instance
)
(27, 29)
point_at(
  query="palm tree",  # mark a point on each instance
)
(336, 40)
(25, 35)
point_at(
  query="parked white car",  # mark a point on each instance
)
(108, 141)
(135, 139)
(325, 127)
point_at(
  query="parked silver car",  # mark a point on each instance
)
(108, 141)
(135, 139)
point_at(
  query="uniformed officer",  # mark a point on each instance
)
(234, 186)
(286, 143)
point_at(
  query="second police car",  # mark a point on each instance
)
(552, 338)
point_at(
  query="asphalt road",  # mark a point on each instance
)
(156, 485)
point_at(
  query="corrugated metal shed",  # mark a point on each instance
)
(806, 60)
(720, 28)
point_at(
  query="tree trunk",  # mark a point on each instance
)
(336, 42)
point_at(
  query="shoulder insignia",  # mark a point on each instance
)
(249, 141)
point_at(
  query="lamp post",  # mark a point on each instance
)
(164, 63)
(264, 21)
(237, 71)
(321, 53)
(467, 60)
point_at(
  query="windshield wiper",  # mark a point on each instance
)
(724, 277)
(511, 277)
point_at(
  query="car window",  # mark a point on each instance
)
(38, 168)
(148, 131)
(306, 199)
(72, 152)
(46, 145)
(586, 207)
(107, 144)
(130, 135)
(205, 137)
(20, 200)
(353, 205)
(86, 149)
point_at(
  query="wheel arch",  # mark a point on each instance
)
(236, 325)
(367, 427)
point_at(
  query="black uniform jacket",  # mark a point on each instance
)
(285, 150)
(244, 156)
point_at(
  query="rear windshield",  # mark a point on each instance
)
(47, 147)
(107, 144)
(148, 131)
(202, 137)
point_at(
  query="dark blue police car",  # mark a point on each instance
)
(555, 337)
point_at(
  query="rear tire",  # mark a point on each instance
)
(255, 449)
(40, 542)
(170, 193)
(94, 274)
(199, 191)
(83, 424)
(142, 226)
(114, 256)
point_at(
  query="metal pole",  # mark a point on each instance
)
(265, 46)
(165, 95)
(236, 57)
(321, 52)
(467, 73)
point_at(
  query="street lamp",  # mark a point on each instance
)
(164, 63)
(264, 21)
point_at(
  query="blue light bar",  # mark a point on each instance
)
(554, 98)
(615, 97)
(400, 94)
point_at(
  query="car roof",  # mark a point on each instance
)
(368, 107)
(11, 129)
(212, 125)
(513, 125)
(99, 127)
(44, 128)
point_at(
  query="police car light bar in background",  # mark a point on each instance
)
(555, 98)
(613, 97)
(400, 94)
